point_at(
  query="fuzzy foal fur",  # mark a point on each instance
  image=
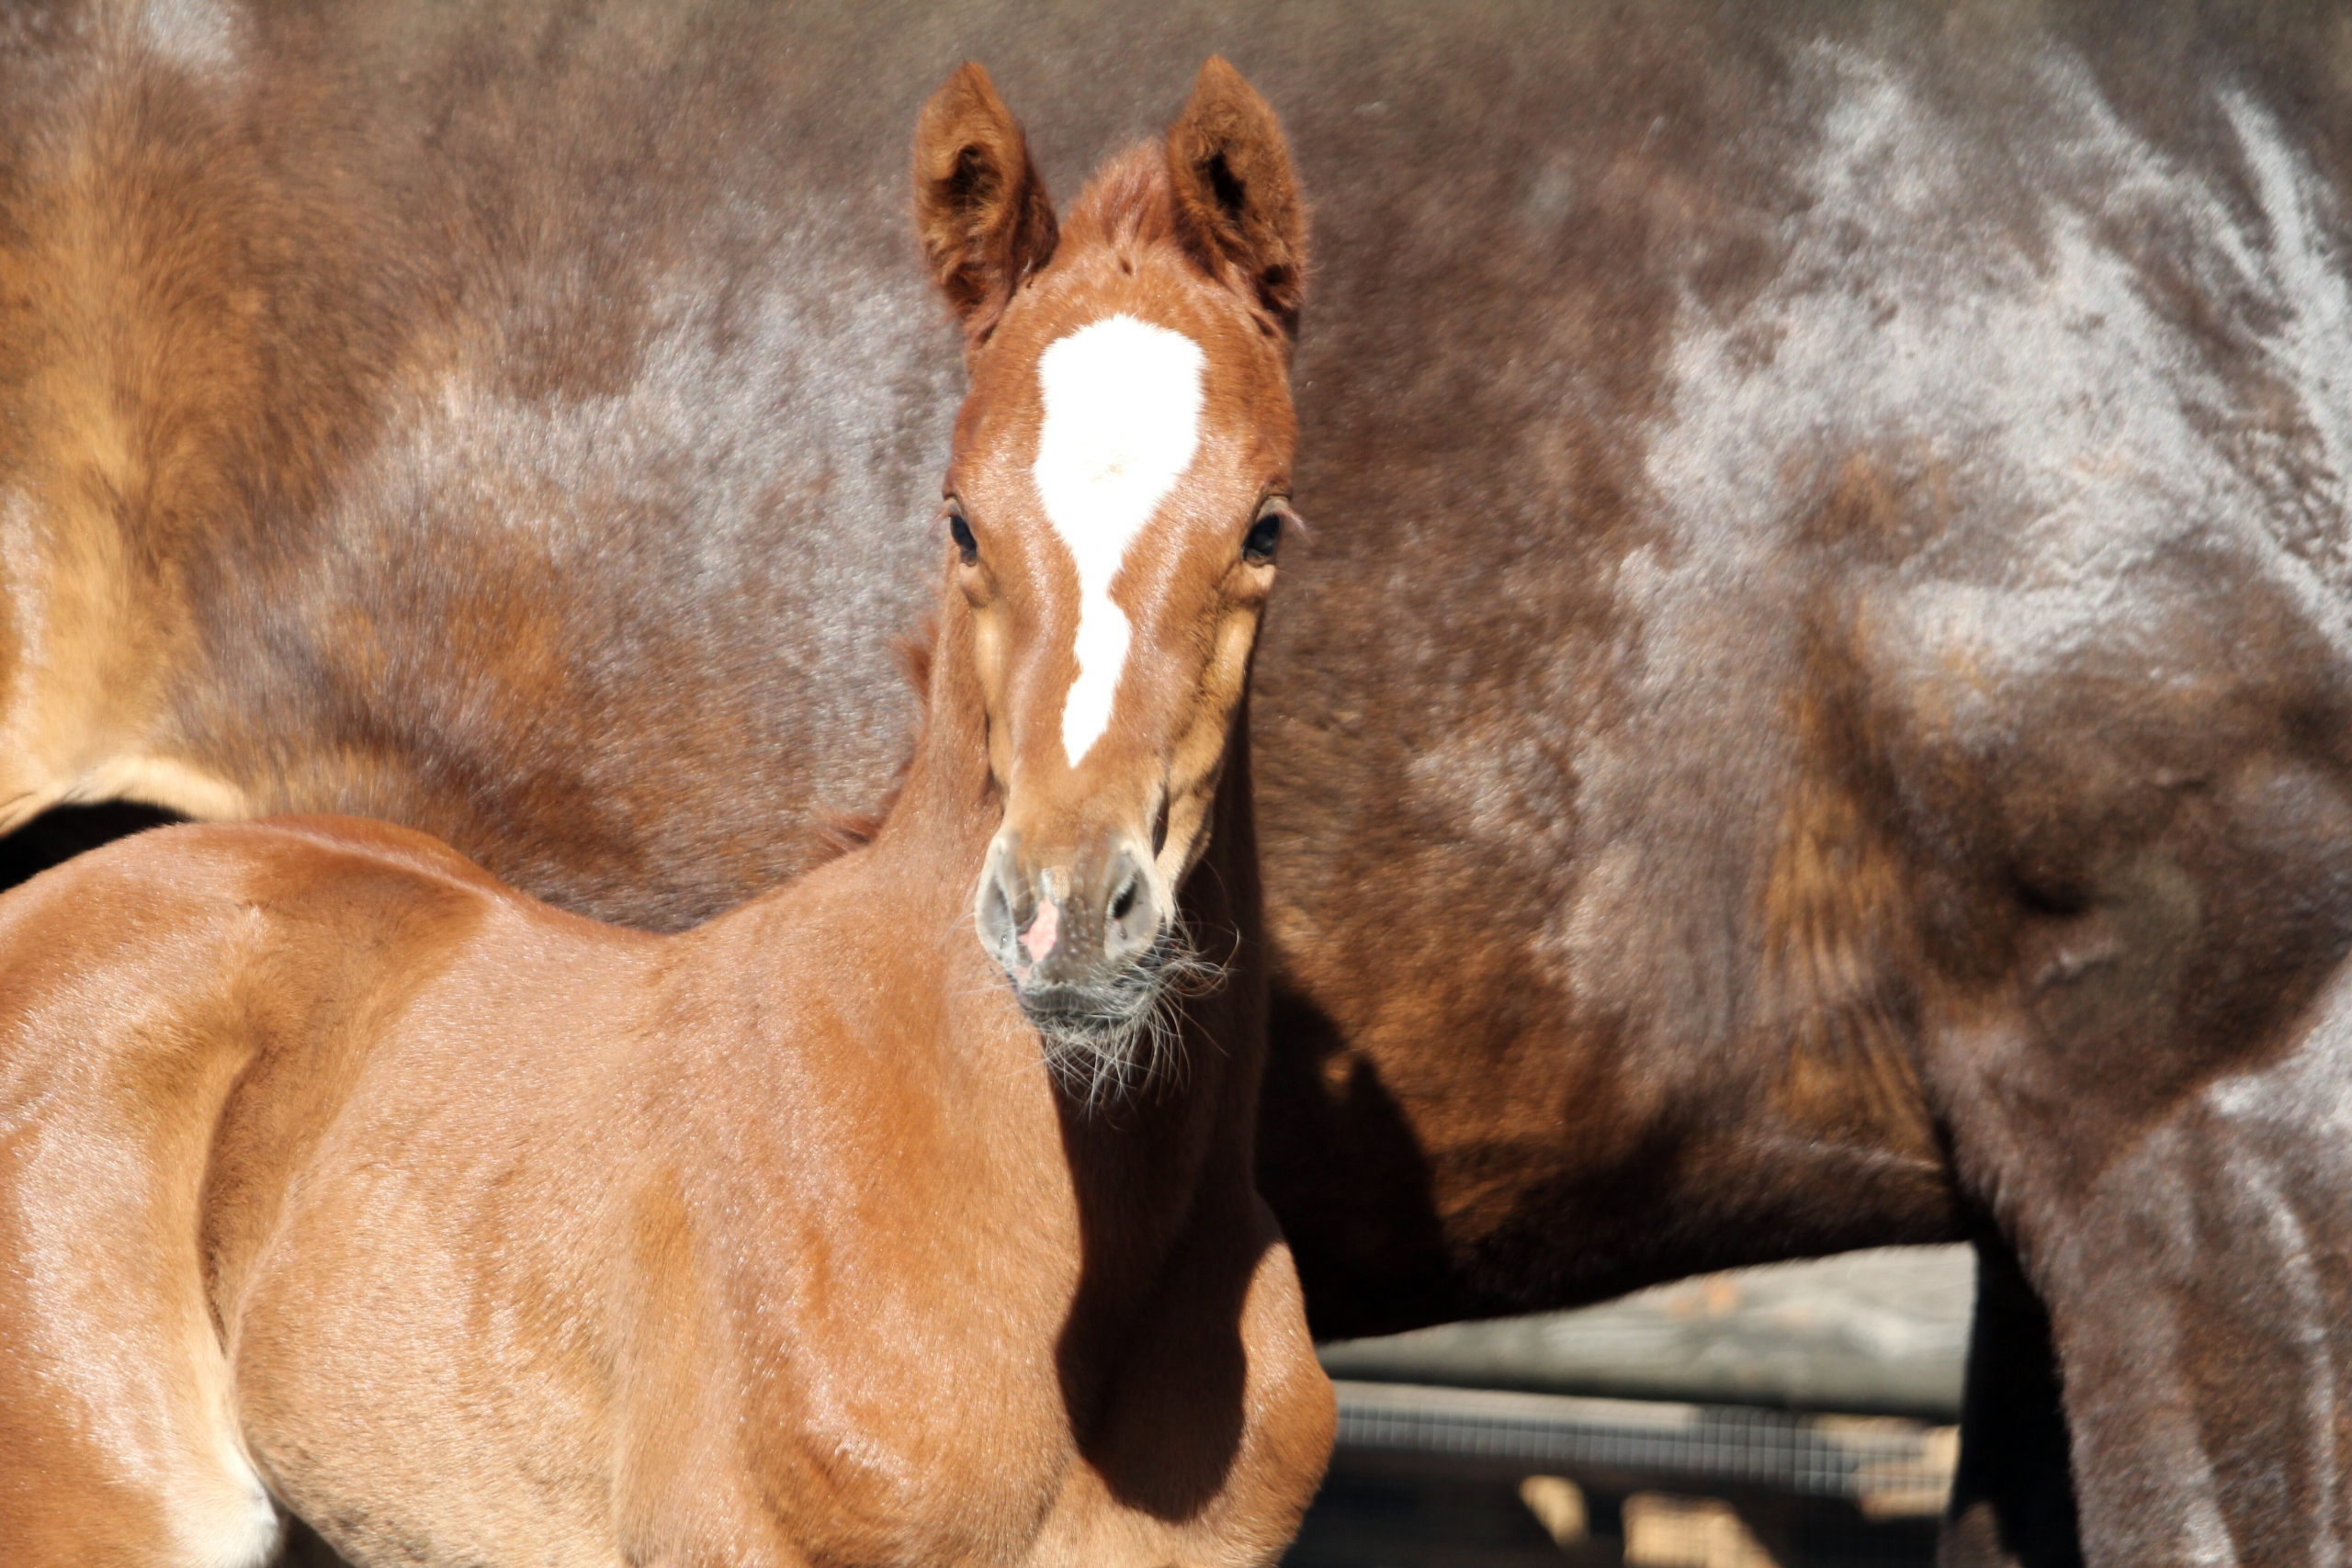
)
(480, 1232)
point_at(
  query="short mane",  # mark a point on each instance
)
(1132, 204)
(1128, 205)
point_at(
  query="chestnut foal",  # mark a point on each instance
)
(335, 1176)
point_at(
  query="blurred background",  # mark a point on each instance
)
(1800, 1415)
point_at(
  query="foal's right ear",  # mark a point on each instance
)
(979, 207)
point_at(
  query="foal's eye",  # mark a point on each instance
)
(1265, 537)
(961, 532)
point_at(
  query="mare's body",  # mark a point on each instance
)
(1817, 719)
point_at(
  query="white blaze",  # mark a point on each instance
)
(1122, 418)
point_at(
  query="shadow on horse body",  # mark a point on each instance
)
(1816, 722)
(335, 1174)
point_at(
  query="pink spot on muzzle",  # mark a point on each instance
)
(1043, 933)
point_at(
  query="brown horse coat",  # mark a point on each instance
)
(335, 1174)
(1815, 718)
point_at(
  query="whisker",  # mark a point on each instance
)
(1112, 1053)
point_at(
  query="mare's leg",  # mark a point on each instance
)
(118, 1438)
(2195, 1250)
(2013, 1498)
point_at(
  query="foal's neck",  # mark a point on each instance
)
(948, 806)
(945, 815)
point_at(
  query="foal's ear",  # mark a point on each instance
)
(979, 207)
(1237, 207)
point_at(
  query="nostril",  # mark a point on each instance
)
(1134, 915)
(997, 924)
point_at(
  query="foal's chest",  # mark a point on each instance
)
(467, 1407)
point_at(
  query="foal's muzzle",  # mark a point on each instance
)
(1078, 933)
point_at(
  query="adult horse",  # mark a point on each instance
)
(482, 1234)
(1818, 721)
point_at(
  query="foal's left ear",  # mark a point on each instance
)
(1238, 206)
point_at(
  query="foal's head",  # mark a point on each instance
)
(1119, 484)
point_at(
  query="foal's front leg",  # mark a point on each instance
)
(119, 1440)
